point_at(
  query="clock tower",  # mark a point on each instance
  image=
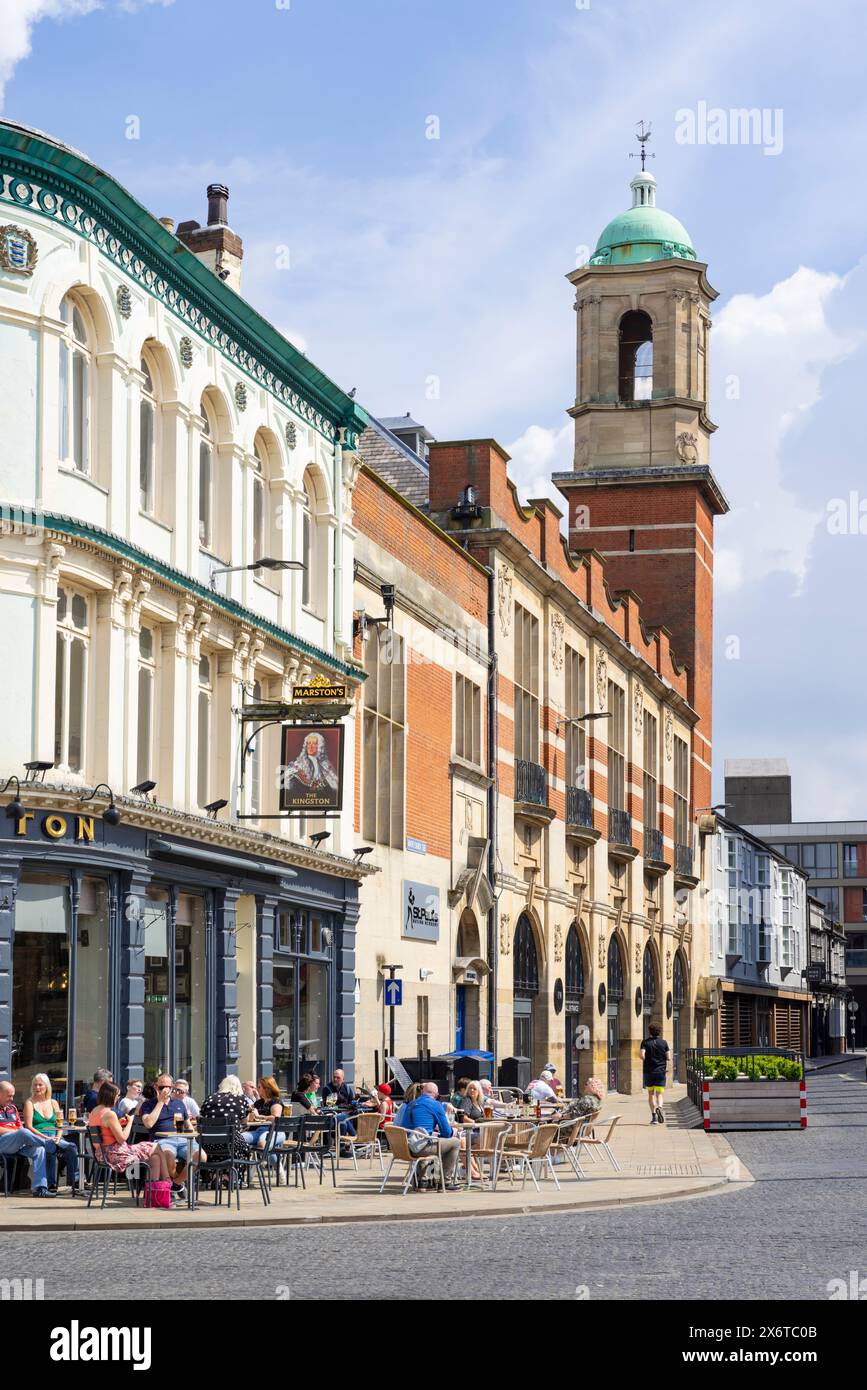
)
(641, 491)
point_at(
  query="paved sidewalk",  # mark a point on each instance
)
(659, 1163)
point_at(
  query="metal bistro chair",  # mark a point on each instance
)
(102, 1173)
(398, 1144)
(312, 1147)
(589, 1141)
(289, 1149)
(363, 1143)
(216, 1138)
(535, 1149)
(567, 1144)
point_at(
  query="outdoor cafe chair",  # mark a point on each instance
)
(567, 1144)
(313, 1149)
(216, 1138)
(102, 1174)
(536, 1148)
(489, 1144)
(363, 1143)
(399, 1150)
(287, 1147)
(588, 1140)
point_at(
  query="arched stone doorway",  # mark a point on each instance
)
(614, 991)
(470, 972)
(574, 1006)
(525, 989)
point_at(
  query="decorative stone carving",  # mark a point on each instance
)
(686, 448)
(669, 737)
(240, 395)
(601, 678)
(558, 638)
(121, 596)
(668, 965)
(638, 708)
(638, 957)
(185, 351)
(184, 627)
(199, 631)
(558, 942)
(18, 250)
(504, 600)
(124, 301)
(603, 952)
(49, 572)
(291, 434)
(505, 933)
(140, 591)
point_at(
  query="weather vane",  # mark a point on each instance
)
(642, 137)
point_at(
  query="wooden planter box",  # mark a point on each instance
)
(754, 1104)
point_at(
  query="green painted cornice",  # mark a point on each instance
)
(32, 521)
(62, 185)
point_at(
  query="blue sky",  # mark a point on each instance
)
(430, 273)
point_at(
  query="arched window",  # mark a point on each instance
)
(574, 967)
(206, 479)
(309, 542)
(75, 379)
(636, 357)
(147, 439)
(526, 967)
(70, 688)
(649, 981)
(260, 508)
(678, 992)
(146, 703)
(615, 972)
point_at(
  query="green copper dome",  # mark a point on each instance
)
(644, 232)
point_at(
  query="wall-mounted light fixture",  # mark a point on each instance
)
(111, 815)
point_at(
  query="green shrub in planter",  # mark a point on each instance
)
(727, 1070)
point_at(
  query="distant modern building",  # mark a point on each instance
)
(758, 791)
(826, 977)
(833, 854)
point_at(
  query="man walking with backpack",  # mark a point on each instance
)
(654, 1056)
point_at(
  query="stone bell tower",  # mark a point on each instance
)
(641, 491)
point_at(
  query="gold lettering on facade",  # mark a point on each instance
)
(84, 828)
(22, 822)
(55, 826)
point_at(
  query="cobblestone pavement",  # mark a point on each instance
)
(802, 1223)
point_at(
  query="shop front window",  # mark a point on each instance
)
(190, 1012)
(301, 995)
(156, 983)
(91, 982)
(40, 991)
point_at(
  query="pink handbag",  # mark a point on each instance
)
(158, 1194)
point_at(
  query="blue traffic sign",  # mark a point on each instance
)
(393, 993)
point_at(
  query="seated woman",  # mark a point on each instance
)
(471, 1109)
(43, 1116)
(114, 1130)
(304, 1094)
(228, 1103)
(269, 1103)
(588, 1104)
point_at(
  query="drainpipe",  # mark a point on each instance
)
(493, 915)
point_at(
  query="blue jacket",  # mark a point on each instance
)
(424, 1113)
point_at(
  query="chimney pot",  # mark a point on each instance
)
(218, 200)
(168, 223)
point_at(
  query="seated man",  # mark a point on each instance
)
(338, 1087)
(426, 1112)
(181, 1091)
(89, 1099)
(15, 1139)
(158, 1117)
(542, 1089)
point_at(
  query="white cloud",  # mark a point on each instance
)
(768, 355)
(18, 18)
(535, 455)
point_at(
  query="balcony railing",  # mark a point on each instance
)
(683, 860)
(619, 826)
(579, 807)
(531, 783)
(653, 845)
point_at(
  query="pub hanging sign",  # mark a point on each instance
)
(311, 768)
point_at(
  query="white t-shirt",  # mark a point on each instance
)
(127, 1105)
(540, 1090)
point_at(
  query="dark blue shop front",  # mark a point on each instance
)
(149, 952)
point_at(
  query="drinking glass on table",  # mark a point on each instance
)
(73, 1115)
(179, 1122)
